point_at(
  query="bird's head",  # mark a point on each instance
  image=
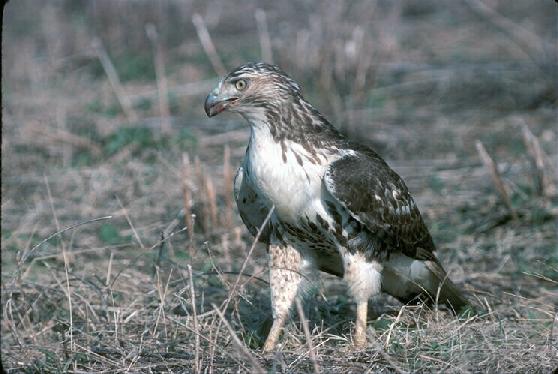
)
(251, 88)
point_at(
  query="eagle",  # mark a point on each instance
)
(320, 201)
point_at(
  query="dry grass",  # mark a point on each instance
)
(150, 268)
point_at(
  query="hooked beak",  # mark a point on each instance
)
(214, 104)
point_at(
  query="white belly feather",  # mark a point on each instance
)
(294, 190)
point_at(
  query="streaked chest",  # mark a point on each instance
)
(286, 174)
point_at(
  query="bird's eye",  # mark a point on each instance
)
(240, 84)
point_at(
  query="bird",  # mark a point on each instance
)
(322, 202)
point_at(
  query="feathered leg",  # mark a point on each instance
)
(364, 281)
(285, 278)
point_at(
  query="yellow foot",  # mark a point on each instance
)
(274, 333)
(359, 340)
(269, 345)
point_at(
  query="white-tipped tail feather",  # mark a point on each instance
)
(405, 278)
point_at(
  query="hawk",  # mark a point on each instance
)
(335, 205)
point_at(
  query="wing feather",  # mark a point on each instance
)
(377, 198)
(251, 206)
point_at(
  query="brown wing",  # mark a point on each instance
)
(251, 207)
(376, 197)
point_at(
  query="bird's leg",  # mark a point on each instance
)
(364, 281)
(273, 336)
(284, 278)
(360, 327)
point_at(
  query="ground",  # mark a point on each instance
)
(133, 289)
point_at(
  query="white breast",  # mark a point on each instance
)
(293, 189)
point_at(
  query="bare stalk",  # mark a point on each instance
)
(225, 247)
(207, 44)
(496, 178)
(161, 77)
(26, 255)
(165, 234)
(263, 32)
(199, 175)
(232, 291)
(127, 216)
(62, 135)
(109, 268)
(197, 368)
(527, 41)
(68, 290)
(228, 186)
(114, 80)
(187, 196)
(543, 181)
(239, 345)
(62, 127)
(212, 201)
(308, 336)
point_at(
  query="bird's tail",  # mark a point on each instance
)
(447, 292)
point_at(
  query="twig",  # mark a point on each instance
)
(66, 137)
(65, 257)
(51, 204)
(228, 186)
(165, 233)
(243, 267)
(77, 252)
(109, 268)
(187, 89)
(308, 336)
(161, 77)
(543, 181)
(62, 126)
(437, 298)
(187, 196)
(208, 45)
(26, 255)
(226, 252)
(394, 365)
(212, 201)
(125, 212)
(234, 136)
(232, 291)
(199, 173)
(496, 178)
(263, 32)
(392, 326)
(239, 345)
(133, 260)
(114, 80)
(554, 322)
(526, 40)
(213, 335)
(162, 297)
(364, 61)
(197, 368)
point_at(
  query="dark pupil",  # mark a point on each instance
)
(240, 84)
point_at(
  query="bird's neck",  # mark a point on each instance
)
(293, 120)
(257, 118)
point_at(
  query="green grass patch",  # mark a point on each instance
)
(109, 234)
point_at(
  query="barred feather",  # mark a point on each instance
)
(333, 199)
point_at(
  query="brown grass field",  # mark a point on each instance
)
(122, 250)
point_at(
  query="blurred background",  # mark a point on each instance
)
(102, 114)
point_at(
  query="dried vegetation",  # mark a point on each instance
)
(121, 247)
